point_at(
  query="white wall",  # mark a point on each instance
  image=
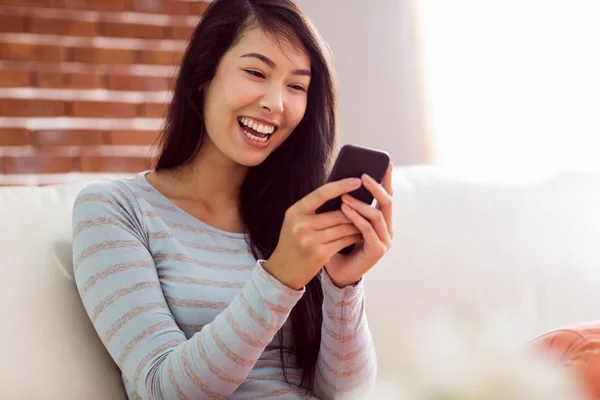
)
(372, 42)
(513, 87)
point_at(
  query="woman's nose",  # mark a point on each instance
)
(273, 100)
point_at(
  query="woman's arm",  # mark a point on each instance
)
(347, 365)
(118, 283)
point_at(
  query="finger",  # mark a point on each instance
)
(335, 233)
(373, 215)
(327, 220)
(387, 180)
(342, 243)
(383, 197)
(388, 211)
(364, 226)
(314, 200)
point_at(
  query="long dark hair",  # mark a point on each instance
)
(297, 167)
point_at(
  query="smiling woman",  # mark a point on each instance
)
(264, 81)
(204, 277)
(255, 79)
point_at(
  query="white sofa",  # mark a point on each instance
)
(528, 251)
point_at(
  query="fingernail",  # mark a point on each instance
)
(367, 177)
(356, 181)
(345, 197)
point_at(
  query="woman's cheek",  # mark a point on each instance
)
(297, 109)
(248, 90)
(238, 92)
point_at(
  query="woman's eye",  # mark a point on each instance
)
(299, 88)
(255, 73)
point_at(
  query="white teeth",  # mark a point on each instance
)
(255, 138)
(262, 128)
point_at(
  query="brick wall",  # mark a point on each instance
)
(84, 84)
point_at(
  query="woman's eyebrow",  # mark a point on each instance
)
(272, 64)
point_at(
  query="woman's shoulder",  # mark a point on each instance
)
(112, 192)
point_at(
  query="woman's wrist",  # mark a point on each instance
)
(341, 284)
(272, 267)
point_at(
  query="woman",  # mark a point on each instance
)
(189, 271)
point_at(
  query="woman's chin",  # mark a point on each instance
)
(250, 160)
(252, 156)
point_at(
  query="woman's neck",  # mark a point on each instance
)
(212, 178)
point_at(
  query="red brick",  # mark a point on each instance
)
(146, 6)
(67, 80)
(52, 138)
(103, 163)
(62, 26)
(37, 3)
(199, 7)
(152, 110)
(176, 7)
(181, 32)
(102, 55)
(13, 77)
(14, 137)
(169, 7)
(94, 5)
(31, 52)
(125, 138)
(38, 164)
(137, 83)
(12, 23)
(103, 109)
(138, 31)
(159, 57)
(32, 108)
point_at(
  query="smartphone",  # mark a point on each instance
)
(353, 161)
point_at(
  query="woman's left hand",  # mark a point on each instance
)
(375, 225)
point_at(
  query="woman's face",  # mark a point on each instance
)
(257, 97)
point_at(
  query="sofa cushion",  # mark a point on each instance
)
(48, 345)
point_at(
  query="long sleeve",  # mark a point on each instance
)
(347, 365)
(119, 285)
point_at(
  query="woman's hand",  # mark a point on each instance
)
(375, 224)
(308, 240)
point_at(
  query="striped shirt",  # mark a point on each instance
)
(186, 311)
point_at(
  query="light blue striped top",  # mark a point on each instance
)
(187, 312)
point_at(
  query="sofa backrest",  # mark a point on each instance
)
(50, 349)
(527, 252)
(517, 256)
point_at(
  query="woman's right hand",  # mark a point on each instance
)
(308, 240)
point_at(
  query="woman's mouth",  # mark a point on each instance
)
(255, 130)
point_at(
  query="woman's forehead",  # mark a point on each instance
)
(281, 47)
